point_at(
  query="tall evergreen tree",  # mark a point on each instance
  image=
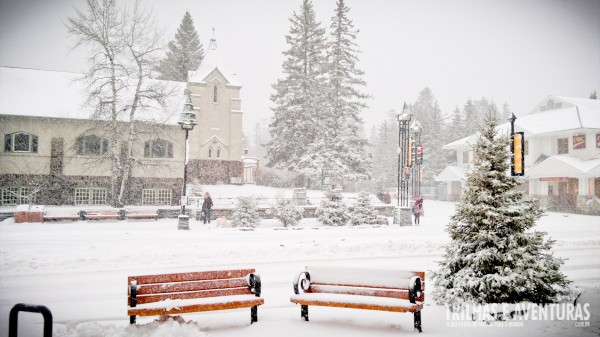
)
(429, 115)
(185, 52)
(384, 152)
(457, 129)
(471, 117)
(495, 256)
(300, 98)
(347, 149)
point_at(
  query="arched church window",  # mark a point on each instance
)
(215, 94)
(210, 152)
(219, 152)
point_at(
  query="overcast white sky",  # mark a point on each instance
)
(515, 51)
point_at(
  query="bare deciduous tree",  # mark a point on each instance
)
(125, 46)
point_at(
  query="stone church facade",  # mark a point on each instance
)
(51, 149)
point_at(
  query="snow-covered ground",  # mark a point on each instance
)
(79, 271)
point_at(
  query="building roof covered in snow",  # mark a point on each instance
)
(212, 61)
(56, 94)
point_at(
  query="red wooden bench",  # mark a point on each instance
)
(101, 214)
(370, 289)
(174, 294)
(141, 214)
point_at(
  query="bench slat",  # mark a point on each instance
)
(409, 307)
(175, 287)
(192, 276)
(195, 308)
(145, 299)
(399, 294)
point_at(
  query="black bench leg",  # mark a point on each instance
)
(254, 314)
(304, 312)
(132, 319)
(418, 321)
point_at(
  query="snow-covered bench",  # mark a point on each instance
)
(59, 215)
(371, 289)
(141, 214)
(174, 294)
(102, 214)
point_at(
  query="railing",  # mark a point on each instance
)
(267, 202)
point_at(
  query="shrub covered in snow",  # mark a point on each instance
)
(364, 213)
(287, 213)
(494, 255)
(245, 213)
(333, 210)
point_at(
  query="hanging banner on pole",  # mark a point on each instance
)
(518, 168)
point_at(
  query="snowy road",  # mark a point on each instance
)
(79, 269)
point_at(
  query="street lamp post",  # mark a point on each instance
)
(187, 121)
(403, 211)
(416, 147)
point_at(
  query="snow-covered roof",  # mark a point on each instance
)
(212, 61)
(452, 173)
(564, 166)
(558, 113)
(56, 94)
(472, 139)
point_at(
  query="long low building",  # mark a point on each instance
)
(55, 146)
(562, 155)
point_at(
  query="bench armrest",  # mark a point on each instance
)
(302, 282)
(415, 287)
(255, 284)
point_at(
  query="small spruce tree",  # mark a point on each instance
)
(287, 213)
(245, 213)
(495, 256)
(363, 213)
(333, 210)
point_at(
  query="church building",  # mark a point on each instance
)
(53, 150)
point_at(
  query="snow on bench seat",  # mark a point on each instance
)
(361, 288)
(179, 293)
(101, 214)
(357, 302)
(141, 214)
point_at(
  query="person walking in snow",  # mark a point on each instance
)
(417, 207)
(207, 207)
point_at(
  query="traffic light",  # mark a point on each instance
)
(518, 162)
(419, 155)
(409, 158)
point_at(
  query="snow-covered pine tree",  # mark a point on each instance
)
(300, 98)
(457, 128)
(428, 113)
(287, 213)
(344, 149)
(185, 52)
(363, 213)
(333, 210)
(495, 256)
(385, 152)
(245, 213)
(472, 118)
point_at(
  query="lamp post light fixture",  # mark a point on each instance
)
(403, 211)
(416, 150)
(187, 121)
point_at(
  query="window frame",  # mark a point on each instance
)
(86, 146)
(152, 148)
(562, 145)
(10, 142)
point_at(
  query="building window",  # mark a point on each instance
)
(466, 157)
(526, 147)
(91, 196)
(210, 152)
(578, 142)
(91, 146)
(16, 195)
(598, 140)
(20, 142)
(562, 145)
(156, 197)
(215, 92)
(158, 148)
